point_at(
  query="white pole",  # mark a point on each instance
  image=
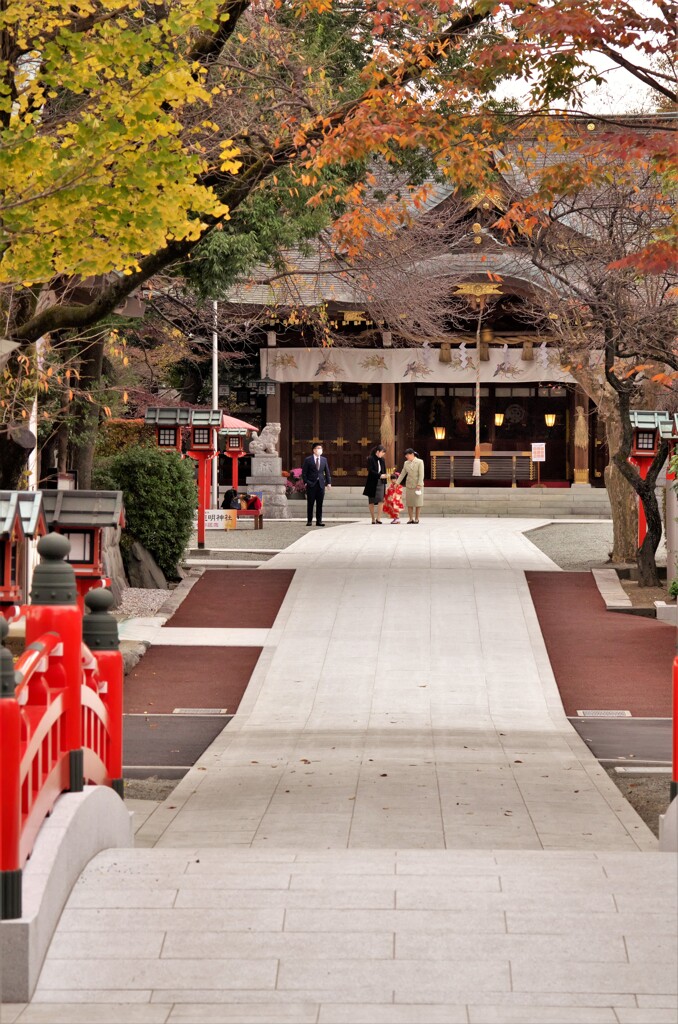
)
(476, 454)
(33, 458)
(215, 397)
(33, 461)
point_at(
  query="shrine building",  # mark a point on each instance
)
(373, 383)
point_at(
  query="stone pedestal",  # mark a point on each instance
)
(268, 479)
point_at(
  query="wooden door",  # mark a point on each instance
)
(346, 418)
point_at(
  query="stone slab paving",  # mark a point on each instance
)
(399, 825)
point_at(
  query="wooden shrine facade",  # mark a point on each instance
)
(347, 417)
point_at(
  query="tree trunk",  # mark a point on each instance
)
(623, 501)
(624, 516)
(14, 459)
(648, 575)
(85, 433)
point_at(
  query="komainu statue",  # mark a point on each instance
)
(267, 442)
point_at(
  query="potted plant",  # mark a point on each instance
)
(294, 485)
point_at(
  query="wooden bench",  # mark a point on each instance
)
(234, 514)
(257, 515)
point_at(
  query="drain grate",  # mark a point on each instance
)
(604, 714)
(200, 711)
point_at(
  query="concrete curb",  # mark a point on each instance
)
(80, 827)
(613, 594)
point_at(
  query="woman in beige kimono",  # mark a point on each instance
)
(413, 476)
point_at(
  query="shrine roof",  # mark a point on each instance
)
(168, 417)
(10, 513)
(645, 419)
(206, 417)
(83, 508)
(32, 513)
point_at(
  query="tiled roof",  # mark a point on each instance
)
(170, 417)
(32, 513)
(83, 508)
(646, 419)
(9, 512)
(206, 417)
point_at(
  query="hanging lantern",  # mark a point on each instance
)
(470, 416)
(498, 419)
(439, 433)
(550, 419)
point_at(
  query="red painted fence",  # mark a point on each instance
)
(60, 710)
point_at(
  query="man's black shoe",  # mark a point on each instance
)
(319, 524)
(309, 524)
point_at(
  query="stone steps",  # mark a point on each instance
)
(586, 502)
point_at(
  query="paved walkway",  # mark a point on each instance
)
(399, 825)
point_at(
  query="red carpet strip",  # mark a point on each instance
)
(602, 660)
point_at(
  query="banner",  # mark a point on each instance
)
(411, 366)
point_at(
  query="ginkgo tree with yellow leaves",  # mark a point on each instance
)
(97, 167)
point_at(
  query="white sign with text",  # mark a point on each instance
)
(215, 519)
(538, 451)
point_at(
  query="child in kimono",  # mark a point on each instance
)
(393, 500)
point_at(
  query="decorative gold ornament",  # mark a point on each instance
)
(484, 467)
(478, 288)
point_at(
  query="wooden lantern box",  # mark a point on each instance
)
(82, 516)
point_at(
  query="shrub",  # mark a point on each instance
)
(673, 588)
(160, 498)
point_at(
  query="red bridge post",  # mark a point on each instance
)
(674, 774)
(10, 788)
(100, 633)
(54, 608)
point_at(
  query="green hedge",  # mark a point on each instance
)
(160, 498)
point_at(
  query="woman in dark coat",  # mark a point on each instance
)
(376, 481)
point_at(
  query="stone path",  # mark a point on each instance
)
(399, 825)
(404, 700)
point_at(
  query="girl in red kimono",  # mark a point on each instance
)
(393, 500)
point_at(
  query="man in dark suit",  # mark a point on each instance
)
(315, 473)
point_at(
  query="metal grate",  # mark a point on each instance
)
(200, 711)
(604, 714)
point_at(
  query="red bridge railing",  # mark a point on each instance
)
(60, 710)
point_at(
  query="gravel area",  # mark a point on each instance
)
(647, 794)
(136, 602)
(577, 547)
(277, 534)
(152, 788)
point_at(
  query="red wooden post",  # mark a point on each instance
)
(643, 469)
(100, 633)
(10, 790)
(234, 471)
(54, 608)
(198, 456)
(674, 776)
